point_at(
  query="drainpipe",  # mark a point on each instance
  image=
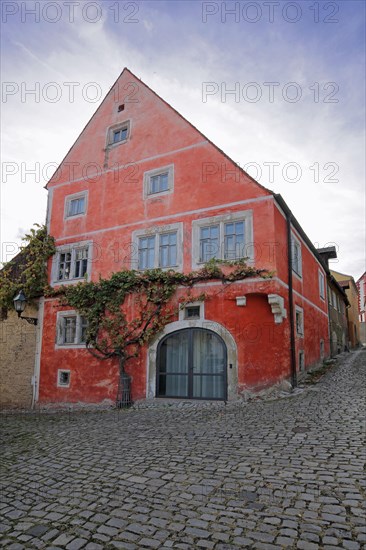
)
(38, 350)
(291, 303)
(329, 323)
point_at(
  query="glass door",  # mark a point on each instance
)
(192, 365)
(208, 366)
(173, 365)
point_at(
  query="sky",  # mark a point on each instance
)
(279, 86)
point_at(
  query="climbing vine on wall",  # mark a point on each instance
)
(130, 308)
(124, 312)
(28, 270)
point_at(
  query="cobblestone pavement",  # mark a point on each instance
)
(264, 474)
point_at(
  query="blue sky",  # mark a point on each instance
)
(309, 51)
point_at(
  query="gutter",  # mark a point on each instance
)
(291, 303)
(292, 221)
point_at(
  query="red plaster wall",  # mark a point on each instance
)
(91, 380)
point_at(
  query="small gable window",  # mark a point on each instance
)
(159, 181)
(119, 134)
(76, 205)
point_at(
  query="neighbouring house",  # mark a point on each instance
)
(348, 283)
(337, 305)
(142, 188)
(18, 342)
(361, 286)
(19, 351)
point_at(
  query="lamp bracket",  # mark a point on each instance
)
(30, 320)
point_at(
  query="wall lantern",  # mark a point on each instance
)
(20, 301)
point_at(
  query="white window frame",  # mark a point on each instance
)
(245, 216)
(296, 244)
(71, 248)
(321, 279)
(112, 129)
(299, 311)
(156, 232)
(59, 383)
(183, 311)
(69, 199)
(157, 172)
(60, 344)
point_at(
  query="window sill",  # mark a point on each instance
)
(69, 282)
(171, 267)
(112, 145)
(67, 218)
(158, 194)
(199, 263)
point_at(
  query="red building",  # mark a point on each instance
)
(141, 187)
(361, 287)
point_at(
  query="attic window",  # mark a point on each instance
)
(159, 183)
(119, 134)
(121, 108)
(75, 205)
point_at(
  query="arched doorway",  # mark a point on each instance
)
(192, 364)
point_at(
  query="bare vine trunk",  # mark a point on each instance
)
(123, 399)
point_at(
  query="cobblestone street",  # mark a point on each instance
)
(287, 473)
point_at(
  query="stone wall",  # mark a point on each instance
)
(17, 356)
